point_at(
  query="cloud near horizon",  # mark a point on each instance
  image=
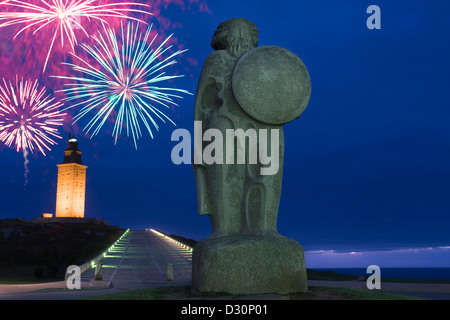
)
(421, 257)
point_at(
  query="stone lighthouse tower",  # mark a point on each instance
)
(71, 188)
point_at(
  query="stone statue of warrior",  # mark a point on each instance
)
(245, 87)
(237, 198)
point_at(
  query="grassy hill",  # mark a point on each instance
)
(31, 251)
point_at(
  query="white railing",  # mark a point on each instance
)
(189, 248)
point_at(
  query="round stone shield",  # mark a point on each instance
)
(271, 84)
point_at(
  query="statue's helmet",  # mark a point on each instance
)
(271, 84)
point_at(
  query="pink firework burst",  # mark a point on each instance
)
(62, 17)
(29, 118)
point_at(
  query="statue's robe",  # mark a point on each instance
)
(238, 199)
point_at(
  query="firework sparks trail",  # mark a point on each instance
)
(25, 164)
(125, 83)
(62, 17)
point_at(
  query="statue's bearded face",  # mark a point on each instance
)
(237, 36)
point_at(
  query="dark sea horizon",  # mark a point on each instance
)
(406, 273)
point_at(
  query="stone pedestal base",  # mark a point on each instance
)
(248, 265)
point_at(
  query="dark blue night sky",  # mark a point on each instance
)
(367, 174)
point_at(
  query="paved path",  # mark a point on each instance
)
(139, 260)
(142, 257)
